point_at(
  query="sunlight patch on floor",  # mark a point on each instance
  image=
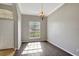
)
(34, 47)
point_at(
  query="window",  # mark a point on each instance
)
(34, 29)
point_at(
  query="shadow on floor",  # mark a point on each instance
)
(40, 49)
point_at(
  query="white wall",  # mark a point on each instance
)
(63, 28)
(6, 29)
(17, 26)
(10, 29)
(25, 28)
(6, 34)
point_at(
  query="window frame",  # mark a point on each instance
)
(30, 25)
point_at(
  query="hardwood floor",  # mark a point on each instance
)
(40, 49)
(7, 52)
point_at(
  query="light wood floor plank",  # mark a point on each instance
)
(7, 52)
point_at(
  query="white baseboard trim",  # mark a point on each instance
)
(61, 48)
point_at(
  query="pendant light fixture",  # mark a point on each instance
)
(42, 11)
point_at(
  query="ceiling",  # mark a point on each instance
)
(35, 8)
